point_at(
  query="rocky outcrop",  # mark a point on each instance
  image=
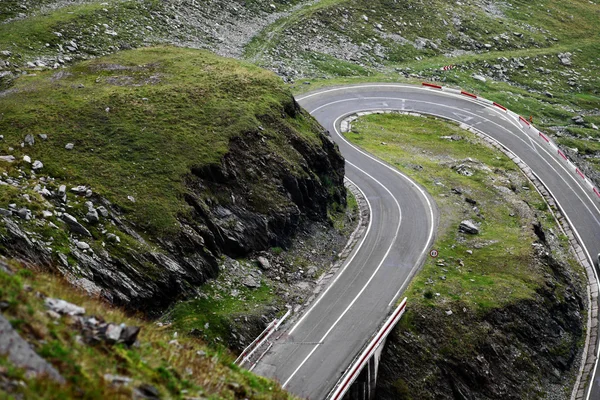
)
(252, 200)
(524, 350)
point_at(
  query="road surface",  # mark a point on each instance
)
(312, 354)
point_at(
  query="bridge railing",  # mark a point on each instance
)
(350, 375)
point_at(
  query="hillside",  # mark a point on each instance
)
(136, 176)
(477, 312)
(195, 190)
(157, 157)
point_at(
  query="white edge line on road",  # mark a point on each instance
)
(365, 285)
(346, 264)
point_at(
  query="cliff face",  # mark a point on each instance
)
(528, 349)
(222, 164)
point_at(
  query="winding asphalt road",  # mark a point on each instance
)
(311, 355)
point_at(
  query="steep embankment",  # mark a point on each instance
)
(132, 174)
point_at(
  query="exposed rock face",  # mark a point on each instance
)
(536, 338)
(20, 353)
(253, 200)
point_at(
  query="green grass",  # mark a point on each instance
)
(43, 32)
(176, 369)
(141, 120)
(502, 268)
(211, 316)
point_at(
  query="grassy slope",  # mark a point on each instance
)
(185, 368)
(498, 273)
(139, 120)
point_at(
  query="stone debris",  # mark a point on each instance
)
(263, 263)
(8, 159)
(63, 307)
(468, 226)
(565, 58)
(74, 225)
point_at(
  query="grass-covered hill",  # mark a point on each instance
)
(133, 173)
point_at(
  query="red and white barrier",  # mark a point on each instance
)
(500, 106)
(354, 370)
(572, 167)
(468, 94)
(431, 85)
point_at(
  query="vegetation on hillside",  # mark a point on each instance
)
(473, 294)
(161, 364)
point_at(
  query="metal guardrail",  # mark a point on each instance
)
(529, 126)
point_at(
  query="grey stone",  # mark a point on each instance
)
(113, 332)
(594, 127)
(62, 190)
(111, 237)
(565, 58)
(24, 213)
(103, 211)
(27, 159)
(117, 380)
(37, 164)
(63, 307)
(92, 216)
(82, 245)
(79, 189)
(479, 77)
(20, 353)
(578, 119)
(5, 212)
(264, 263)
(43, 136)
(251, 282)
(69, 146)
(468, 226)
(47, 214)
(29, 139)
(75, 226)
(7, 158)
(129, 335)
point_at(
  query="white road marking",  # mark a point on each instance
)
(365, 285)
(463, 117)
(535, 145)
(345, 266)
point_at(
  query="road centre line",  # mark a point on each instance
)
(518, 126)
(507, 119)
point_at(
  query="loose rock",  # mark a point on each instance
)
(468, 226)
